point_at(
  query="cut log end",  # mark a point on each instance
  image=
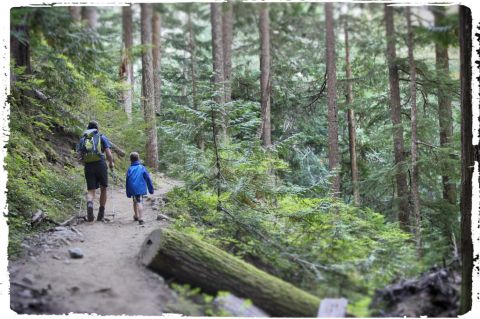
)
(150, 248)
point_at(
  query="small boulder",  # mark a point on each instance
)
(237, 307)
(75, 253)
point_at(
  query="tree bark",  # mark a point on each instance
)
(265, 76)
(444, 107)
(89, 14)
(126, 68)
(193, 58)
(193, 64)
(20, 50)
(189, 260)
(148, 87)
(120, 152)
(351, 123)
(396, 115)
(157, 82)
(333, 153)
(227, 34)
(217, 52)
(466, 249)
(413, 115)
(75, 13)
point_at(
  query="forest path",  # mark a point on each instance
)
(108, 280)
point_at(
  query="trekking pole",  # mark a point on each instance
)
(114, 179)
(79, 215)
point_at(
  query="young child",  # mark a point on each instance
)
(138, 180)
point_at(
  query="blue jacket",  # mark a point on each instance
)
(138, 180)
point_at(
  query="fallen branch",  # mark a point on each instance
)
(49, 220)
(68, 221)
(427, 144)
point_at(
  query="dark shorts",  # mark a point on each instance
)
(96, 174)
(137, 198)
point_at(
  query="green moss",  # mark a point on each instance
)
(35, 184)
(359, 308)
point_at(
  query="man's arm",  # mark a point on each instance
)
(106, 145)
(109, 158)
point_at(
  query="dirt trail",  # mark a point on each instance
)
(108, 280)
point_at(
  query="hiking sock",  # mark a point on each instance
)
(90, 216)
(101, 212)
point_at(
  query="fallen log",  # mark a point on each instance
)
(117, 149)
(189, 260)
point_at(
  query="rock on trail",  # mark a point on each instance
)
(108, 280)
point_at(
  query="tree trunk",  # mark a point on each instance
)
(193, 57)
(265, 76)
(193, 64)
(465, 35)
(444, 107)
(413, 115)
(148, 87)
(156, 25)
(75, 13)
(395, 109)
(351, 123)
(217, 52)
(20, 50)
(333, 153)
(126, 69)
(89, 14)
(227, 33)
(189, 260)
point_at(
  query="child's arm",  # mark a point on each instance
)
(126, 187)
(147, 178)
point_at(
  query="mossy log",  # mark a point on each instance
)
(117, 149)
(191, 261)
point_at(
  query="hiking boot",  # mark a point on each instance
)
(90, 216)
(101, 213)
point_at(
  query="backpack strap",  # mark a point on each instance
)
(98, 142)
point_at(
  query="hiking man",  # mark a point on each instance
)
(91, 151)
